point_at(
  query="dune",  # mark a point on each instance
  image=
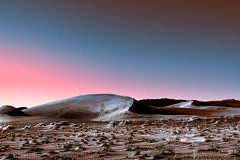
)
(184, 107)
(106, 107)
(12, 111)
(85, 107)
(185, 111)
(142, 106)
(226, 103)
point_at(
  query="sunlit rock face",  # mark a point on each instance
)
(85, 107)
(12, 111)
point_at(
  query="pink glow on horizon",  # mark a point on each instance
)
(30, 81)
(26, 80)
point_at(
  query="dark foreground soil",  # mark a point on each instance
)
(179, 138)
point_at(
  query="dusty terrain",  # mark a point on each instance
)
(107, 126)
(175, 138)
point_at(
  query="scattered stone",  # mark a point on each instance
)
(112, 124)
(63, 123)
(73, 125)
(40, 125)
(8, 127)
(27, 127)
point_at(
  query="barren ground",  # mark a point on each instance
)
(176, 138)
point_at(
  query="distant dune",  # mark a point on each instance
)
(184, 111)
(12, 111)
(184, 107)
(142, 106)
(105, 107)
(226, 103)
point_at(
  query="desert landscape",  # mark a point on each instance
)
(119, 79)
(106, 126)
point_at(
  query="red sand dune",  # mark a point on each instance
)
(165, 107)
(184, 111)
(226, 103)
(142, 106)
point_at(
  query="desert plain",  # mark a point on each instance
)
(97, 127)
(166, 138)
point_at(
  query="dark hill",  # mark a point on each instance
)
(226, 103)
(12, 111)
(142, 106)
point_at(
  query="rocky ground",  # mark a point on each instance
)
(178, 138)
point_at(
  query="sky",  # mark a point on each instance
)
(145, 49)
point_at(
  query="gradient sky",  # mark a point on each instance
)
(52, 50)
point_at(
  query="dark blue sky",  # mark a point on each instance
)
(142, 49)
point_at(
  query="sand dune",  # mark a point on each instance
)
(184, 107)
(142, 106)
(226, 103)
(86, 107)
(12, 111)
(107, 107)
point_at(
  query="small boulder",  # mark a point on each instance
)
(8, 127)
(65, 123)
(27, 127)
(40, 125)
(112, 124)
